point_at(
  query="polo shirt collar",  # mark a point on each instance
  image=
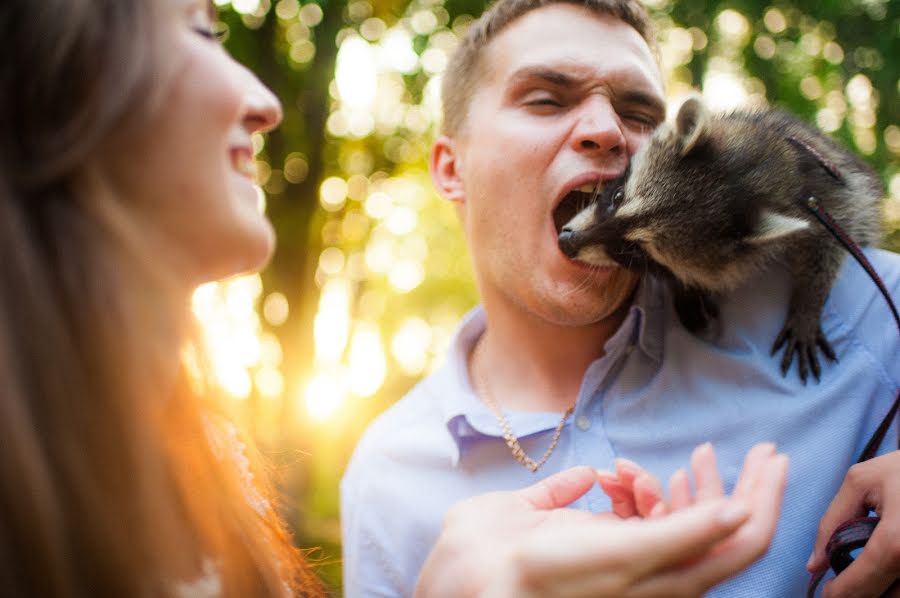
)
(468, 418)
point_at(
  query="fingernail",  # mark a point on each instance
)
(811, 564)
(703, 448)
(768, 447)
(658, 510)
(733, 513)
(626, 464)
(602, 473)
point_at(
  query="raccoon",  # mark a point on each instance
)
(712, 199)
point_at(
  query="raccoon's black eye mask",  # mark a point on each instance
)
(615, 200)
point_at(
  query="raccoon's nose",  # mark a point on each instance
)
(567, 243)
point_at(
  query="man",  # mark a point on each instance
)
(579, 365)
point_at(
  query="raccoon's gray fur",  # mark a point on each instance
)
(712, 199)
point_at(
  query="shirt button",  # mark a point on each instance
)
(583, 422)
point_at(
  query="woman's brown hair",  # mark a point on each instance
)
(114, 480)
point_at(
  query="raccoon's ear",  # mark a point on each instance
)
(690, 124)
(773, 226)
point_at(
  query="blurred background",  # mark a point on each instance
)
(371, 273)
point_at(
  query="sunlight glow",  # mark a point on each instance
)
(402, 220)
(333, 193)
(230, 327)
(245, 7)
(324, 395)
(276, 309)
(397, 53)
(410, 345)
(269, 382)
(332, 323)
(406, 275)
(378, 205)
(355, 74)
(367, 362)
(733, 24)
(379, 254)
(723, 91)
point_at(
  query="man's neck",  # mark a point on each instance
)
(531, 364)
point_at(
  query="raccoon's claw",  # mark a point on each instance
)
(805, 350)
(823, 345)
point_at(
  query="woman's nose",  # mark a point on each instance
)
(263, 110)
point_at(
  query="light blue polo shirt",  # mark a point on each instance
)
(656, 394)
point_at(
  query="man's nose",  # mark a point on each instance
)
(599, 130)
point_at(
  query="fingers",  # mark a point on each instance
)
(680, 491)
(623, 503)
(633, 490)
(627, 471)
(646, 489)
(849, 502)
(687, 534)
(749, 542)
(872, 573)
(636, 492)
(559, 490)
(874, 484)
(706, 473)
(648, 493)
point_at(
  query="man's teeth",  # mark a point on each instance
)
(588, 188)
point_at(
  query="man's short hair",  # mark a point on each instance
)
(464, 69)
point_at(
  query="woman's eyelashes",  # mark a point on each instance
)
(204, 25)
(206, 32)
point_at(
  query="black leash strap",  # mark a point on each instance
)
(853, 534)
(828, 222)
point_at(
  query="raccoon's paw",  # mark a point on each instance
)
(803, 345)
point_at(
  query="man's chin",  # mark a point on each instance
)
(598, 300)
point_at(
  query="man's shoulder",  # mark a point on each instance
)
(419, 406)
(857, 309)
(855, 293)
(883, 259)
(414, 425)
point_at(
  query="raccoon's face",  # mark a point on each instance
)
(597, 236)
(686, 204)
(638, 219)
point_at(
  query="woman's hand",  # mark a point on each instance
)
(524, 543)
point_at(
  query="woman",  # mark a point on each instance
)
(125, 181)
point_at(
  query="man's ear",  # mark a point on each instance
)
(447, 169)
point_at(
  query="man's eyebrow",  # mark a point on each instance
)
(550, 75)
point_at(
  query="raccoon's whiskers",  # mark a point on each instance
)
(580, 286)
(585, 282)
(594, 195)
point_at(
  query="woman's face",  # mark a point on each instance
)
(190, 171)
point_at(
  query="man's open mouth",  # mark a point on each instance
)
(573, 202)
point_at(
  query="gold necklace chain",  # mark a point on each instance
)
(511, 440)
